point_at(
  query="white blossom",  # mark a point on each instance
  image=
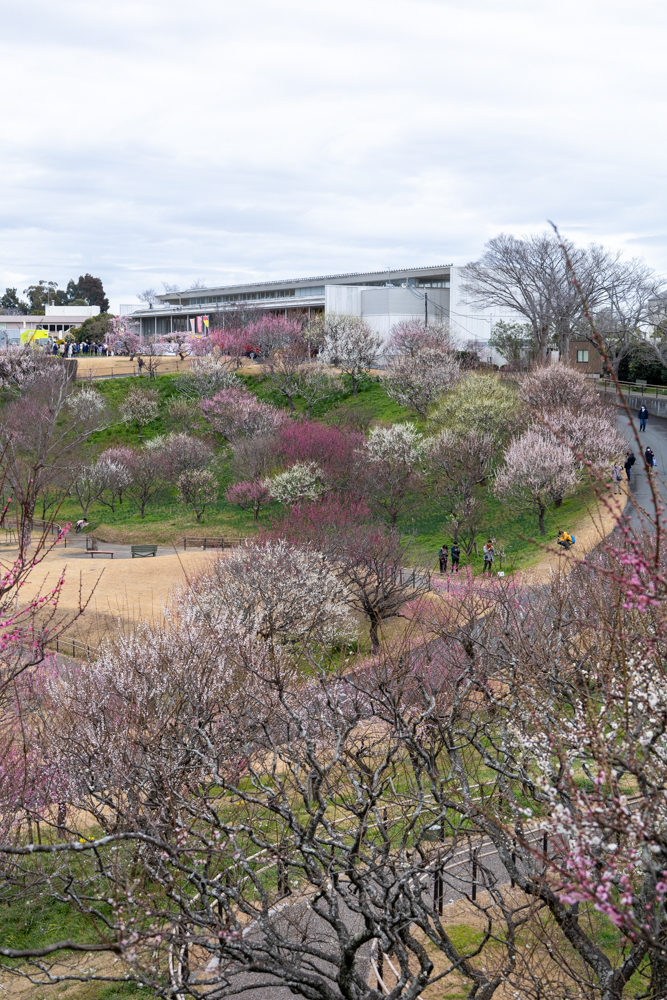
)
(302, 481)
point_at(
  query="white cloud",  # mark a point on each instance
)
(160, 140)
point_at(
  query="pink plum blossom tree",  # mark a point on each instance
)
(537, 473)
(236, 412)
(249, 495)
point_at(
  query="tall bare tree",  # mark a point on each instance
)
(531, 277)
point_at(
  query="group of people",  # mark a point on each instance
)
(443, 556)
(489, 553)
(565, 540)
(71, 349)
(630, 459)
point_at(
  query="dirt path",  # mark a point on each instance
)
(601, 519)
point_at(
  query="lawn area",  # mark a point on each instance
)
(167, 521)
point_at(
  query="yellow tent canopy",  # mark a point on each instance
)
(30, 336)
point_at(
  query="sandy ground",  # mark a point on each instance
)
(96, 367)
(129, 590)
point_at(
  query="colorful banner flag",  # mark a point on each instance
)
(199, 325)
(192, 325)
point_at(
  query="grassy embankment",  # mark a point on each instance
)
(166, 521)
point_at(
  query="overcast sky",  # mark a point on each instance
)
(155, 140)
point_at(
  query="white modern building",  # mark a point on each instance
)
(383, 298)
(56, 320)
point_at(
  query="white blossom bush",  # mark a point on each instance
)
(537, 473)
(197, 488)
(417, 380)
(351, 346)
(206, 377)
(400, 444)
(302, 481)
(86, 404)
(279, 591)
(140, 407)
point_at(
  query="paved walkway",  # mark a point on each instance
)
(655, 436)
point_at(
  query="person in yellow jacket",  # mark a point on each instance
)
(567, 541)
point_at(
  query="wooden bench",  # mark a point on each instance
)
(100, 552)
(143, 550)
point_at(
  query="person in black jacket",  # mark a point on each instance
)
(629, 462)
(643, 417)
(456, 555)
(443, 554)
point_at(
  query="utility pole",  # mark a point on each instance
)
(425, 308)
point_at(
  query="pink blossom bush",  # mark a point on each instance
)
(249, 495)
(331, 448)
(237, 413)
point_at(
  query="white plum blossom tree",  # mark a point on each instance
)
(351, 346)
(418, 379)
(183, 453)
(302, 481)
(87, 404)
(552, 387)
(197, 488)
(278, 591)
(537, 472)
(206, 376)
(140, 407)
(21, 366)
(565, 406)
(391, 461)
(238, 413)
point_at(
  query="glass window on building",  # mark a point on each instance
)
(433, 282)
(582, 357)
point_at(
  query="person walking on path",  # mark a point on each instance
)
(651, 460)
(489, 556)
(616, 477)
(82, 523)
(456, 555)
(629, 462)
(443, 554)
(643, 417)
